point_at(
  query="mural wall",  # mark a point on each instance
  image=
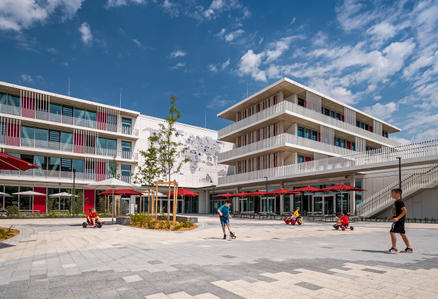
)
(203, 149)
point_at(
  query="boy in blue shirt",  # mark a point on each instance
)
(224, 214)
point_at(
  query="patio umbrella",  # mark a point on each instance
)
(258, 193)
(185, 192)
(241, 194)
(308, 189)
(342, 188)
(111, 183)
(8, 162)
(62, 194)
(225, 195)
(31, 193)
(282, 191)
(5, 194)
(120, 192)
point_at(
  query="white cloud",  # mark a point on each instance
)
(382, 111)
(212, 68)
(229, 37)
(221, 66)
(86, 35)
(250, 64)
(352, 15)
(178, 65)
(218, 103)
(225, 64)
(137, 42)
(21, 14)
(118, 3)
(26, 78)
(178, 53)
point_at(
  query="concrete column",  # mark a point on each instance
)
(281, 204)
(182, 205)
(353, 196)
(280, 96)
(292, 202)
(323, 205)
(161, 206)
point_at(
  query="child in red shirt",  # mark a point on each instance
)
(93, 217)
(341, 221)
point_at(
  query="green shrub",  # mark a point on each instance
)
(12, 210)
(5, 233)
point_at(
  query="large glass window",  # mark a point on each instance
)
(27, 136)
(41, 161)
(54, 165)
(300, 131)
(78, 165)
(67, 114)
(126, 125)
(54, 139)
(55, 109)
(66, 141)
(66, 164)
(111, 121)
(126, 170)
(126, 146)
(25, 200)
(41, 137)
(302, 102)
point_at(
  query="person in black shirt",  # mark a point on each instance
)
(398, 222)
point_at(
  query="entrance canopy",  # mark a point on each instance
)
(31, 193)
(241, 194)
(225, 195)
(258, 193)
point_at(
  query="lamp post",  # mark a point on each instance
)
(399, 173)
(73, 201)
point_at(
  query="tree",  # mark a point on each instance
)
(113, 169)
(170, 151)
(149, 172)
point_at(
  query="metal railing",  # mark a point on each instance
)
(55, 174)
(425, 149)
(66, 147)
(299, 111)
(282, 140)
(59, 118)
(412, 183)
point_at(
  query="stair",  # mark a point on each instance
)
(377, 202)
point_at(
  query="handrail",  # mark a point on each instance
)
(281, 140)
(411, 183)
(422, 149)
(286, 106)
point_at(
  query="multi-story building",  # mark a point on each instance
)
(60, 133)
(286, 125)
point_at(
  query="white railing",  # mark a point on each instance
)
(54, 174)
(299, 111)
(282, 140)
(46, 115)
(410, 184)
(424, 150)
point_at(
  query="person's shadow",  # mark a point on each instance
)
(370, 250)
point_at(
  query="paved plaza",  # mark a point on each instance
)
(56, 258)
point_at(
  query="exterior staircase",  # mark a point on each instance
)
(421, 179)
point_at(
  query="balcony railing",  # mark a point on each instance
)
(66, 147)
(54, 174)
(282, 140)
(299, 111)
(70, 120)
(426, 150)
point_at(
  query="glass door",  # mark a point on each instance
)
(328, 205)
(317, 204)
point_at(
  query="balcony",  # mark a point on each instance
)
(68, 120)
(425, 152)
(66, 147)
(36, 174)
(281, 140)
(285, 107)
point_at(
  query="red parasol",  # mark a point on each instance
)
(342, 188)
(225, 195)
(8, 162)
(241, 194)
(282, 191)
(308, 189)
(185, 192)
(258, 193)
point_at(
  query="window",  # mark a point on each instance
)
(66, 164)
(126, 146)
(111, 121)
(54, 163)
(78, 165)
(308, 133)
(111, 169)
(315, 135)
(67, 111)
(55, 109)
(54, 136)
(126, 125)
(41, 161)
(27, 136)
(301, 102)
(126, 170)
(363, 125)
(300, 131)
(331, 113)
(66, 141)
(385, 134)
(41, 137)
(302, 159)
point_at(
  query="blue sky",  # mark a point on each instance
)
(378, 56)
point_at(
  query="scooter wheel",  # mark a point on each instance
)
(84, 224)
(343, 228)
(351, 228)
(98, 225)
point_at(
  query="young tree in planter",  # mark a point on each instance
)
(170, 151)
(149, 172)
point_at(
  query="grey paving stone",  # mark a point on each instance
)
(373, 270)
(308, 285)
(155, 262)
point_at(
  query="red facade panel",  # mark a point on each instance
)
(88, 200)
(39, 201)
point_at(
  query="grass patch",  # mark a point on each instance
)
(6, 233)
(144, 220)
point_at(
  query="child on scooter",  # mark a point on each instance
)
(93, 217)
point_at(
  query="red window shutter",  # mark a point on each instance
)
(342, 118)
(308, 159)
(348, 145)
